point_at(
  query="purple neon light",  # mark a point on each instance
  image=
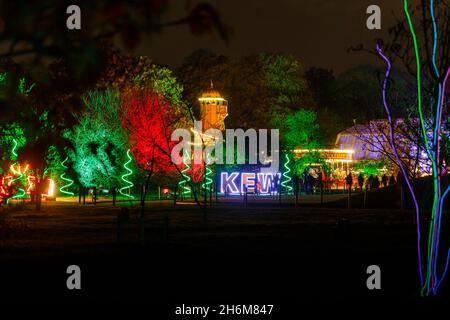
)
(441, 199)
(397, 158)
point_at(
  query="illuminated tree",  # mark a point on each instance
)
(150, 120)
(368, 167)
(34, 110)
(11, 139)
(299, 129)
(139, 79)
(284, 78)
(42, 138)
(124, 73)
(99, 146)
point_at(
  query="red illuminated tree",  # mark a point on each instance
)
(149, 119)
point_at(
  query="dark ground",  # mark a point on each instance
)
(285, 256)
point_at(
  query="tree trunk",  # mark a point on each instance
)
(114, 190)
(195, 192)
(141, 216)
(38, 194)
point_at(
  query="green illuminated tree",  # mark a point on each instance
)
(300, 130)
(99, 146)
(42, 137)
(11, 140)
(125, 73)
(35, 116)
(8, 134)
(284, 76)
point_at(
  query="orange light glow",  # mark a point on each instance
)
(51, 188)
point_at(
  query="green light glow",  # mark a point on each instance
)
(13, 151)
(129, 173)
(64, 188)
(99, 145)
(2, 77)
(15, 155)
(185, 189)
(287, 179)
(18, 196)
(16, 179)
(208, 174)
(11, 140)
(23, 90)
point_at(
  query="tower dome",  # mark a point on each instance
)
(213, 109)
(211, 95)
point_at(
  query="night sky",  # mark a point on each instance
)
(317, 32)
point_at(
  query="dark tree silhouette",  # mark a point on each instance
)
(42, 34)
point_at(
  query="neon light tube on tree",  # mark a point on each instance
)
(287, 179)
(124, 177)
(65, 188)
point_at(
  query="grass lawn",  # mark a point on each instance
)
(263, 250)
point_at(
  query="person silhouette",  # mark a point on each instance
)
(392, 180)
(361, 181)
(384, 180)
(305, 181)
(295, 184)
(349, 180)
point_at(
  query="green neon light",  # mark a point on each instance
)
(208, 174)
(287, 179)
(185, 189)
(426, 287)
(18, 196)
(418, 77)
(129, 173)
(13, 151)
(64, 188)
(23, 194)
(22, 88)
(2, 77)
(18, 178)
